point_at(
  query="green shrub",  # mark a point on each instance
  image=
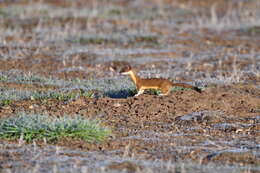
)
(37, 127)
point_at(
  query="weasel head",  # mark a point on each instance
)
(126, 70)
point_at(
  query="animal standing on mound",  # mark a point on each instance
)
(163, 85)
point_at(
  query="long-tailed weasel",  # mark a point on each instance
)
(163, 85)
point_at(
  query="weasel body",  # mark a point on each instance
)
(163, 85)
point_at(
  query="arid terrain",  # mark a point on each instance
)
(63, 58)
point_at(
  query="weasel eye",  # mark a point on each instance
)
(122, 70)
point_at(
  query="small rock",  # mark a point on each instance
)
(117, 105)
(31, 107)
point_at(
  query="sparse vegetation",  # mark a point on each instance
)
(3, 13)
(179, 89)
(154, 91)
(63, 57)
(114, 12)
(37, 127)
(140, 38)
(70, 89)
(93, 40)
(20, 77)
(255, 30)
(61, 96)
(2, 78)
(5, 102)
(148, 39)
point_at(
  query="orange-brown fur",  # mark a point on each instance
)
(153, 83)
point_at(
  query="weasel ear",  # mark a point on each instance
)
(128, 67)
(125, 69)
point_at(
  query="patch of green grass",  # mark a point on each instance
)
(37, 127)
(88, 94)
(100, 39)
(132, 91)
(93, 40)
(54, 95)
(3, 12)
(175, 89)
(253, 30)
(3, 78)
(115, 12)
(147, 39)
(5, 102)
(61, 96)
(97, 40)
(155, 92)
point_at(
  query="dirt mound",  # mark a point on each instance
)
(183, 125)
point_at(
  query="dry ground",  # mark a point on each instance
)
(70, 46)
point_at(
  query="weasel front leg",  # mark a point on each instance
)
(139, 92)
